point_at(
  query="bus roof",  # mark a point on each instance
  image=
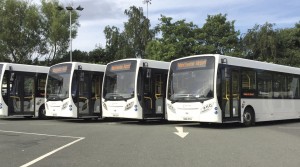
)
(241, 62)
(149, 63)
(25, 67)
(86, 66)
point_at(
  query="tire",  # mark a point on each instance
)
(42, 113)
(248, 117)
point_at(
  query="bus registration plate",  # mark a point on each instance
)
(187, 118)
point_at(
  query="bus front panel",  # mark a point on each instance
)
(119, 90)
(58, 100)
(191, 94)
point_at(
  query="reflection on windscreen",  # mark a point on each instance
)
(119, 85)
(191, 84)
(58, 83)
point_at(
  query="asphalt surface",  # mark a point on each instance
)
(127, 143)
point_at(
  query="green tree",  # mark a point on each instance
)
(261, 43)
(115, 45)
(56, 28)
(133, 40)
(288, 46)
(177, 40)
(137, 31)
(99, 56)
(20, 31)
(218, 36)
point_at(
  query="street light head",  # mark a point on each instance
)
(146, 1)
(69, 8)
(79, 8)
(59, 8)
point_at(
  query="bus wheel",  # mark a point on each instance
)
(42, 113)
(248, 117)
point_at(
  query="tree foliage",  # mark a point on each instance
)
(177, 40)
(55, 24)
(20, 31)
(29, 32)
(218, 35)
(181, 39)
(133, 40)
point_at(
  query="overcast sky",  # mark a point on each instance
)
(99, 13)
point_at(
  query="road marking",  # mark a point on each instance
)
(42, 124)
(180, 132)
(49, 153)
(287, 127)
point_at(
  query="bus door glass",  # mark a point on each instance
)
(29, 93)
(154, 91)
(84, 96)
(22, 94)
(147, 89)
(6, 86)
(231, 94)
(96, 92)
(15, 93)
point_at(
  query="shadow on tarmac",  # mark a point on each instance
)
(240, 125)
(158, 122)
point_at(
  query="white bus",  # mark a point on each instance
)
(22, 90)
(135, 88)
(220, 89)
(73, 90)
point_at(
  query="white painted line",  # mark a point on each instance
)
(42, 124)
(287, 127)
(39, 134)
(50, 153)
(111, 123)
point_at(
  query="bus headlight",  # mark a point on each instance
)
(104, 106)
(170, 107)
(64, 106)
(39, 102)
(128, 106)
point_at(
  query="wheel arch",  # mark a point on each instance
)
(251, 109)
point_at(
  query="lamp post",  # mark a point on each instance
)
(147, 2)
(70, 9)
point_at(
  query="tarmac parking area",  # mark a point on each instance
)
(127, 143)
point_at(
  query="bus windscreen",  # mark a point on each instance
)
(58, 82)
(119, 80)
(191, 79)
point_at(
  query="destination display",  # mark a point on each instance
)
(200, 63)
(121, 67)
(60, 69)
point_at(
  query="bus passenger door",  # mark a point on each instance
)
(84, 94)
(147, 95)
(29, 93)
(154, 93)
(22, 94)
(231, 109)
(95, 104)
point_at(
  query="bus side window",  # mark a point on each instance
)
(41, 85)
(292, 87)
(264, 84)
(279, 85)
(248, 83)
